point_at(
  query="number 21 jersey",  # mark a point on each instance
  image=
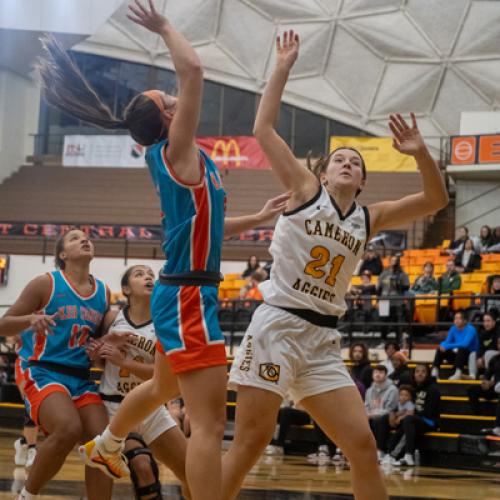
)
(315, 251)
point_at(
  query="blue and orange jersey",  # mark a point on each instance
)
(79, 318)
(192, 214)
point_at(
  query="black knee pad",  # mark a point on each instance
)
(154, 488)
(27, 421)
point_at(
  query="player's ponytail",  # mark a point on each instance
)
(65, 87)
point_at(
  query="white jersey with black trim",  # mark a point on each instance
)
(116, 380)
(315, 251)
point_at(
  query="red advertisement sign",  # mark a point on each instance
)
(233, 152)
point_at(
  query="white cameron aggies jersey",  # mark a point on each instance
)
(116, 380)
(315, 252)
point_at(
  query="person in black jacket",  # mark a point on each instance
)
(467, 260)
(401, 374)
(489, 390)
(371, 262)
(361, 371)
(426, 417)
(488, 334)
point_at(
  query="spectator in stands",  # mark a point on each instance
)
(406, 407)
(253, 265)
(393, 281)
(495, 247)
(485, 240)
(426, 283)
(450, 280)
(489, 390)
(380, 400)
(425, 417)
(288, 416)
(4, 372)
(390, 348)
(467, 260)
(462, 234)
(251, 290)
(371, 262)
(362, 296)
(493, 302)
(488, 335)
(361, 371)
(401, 374)
(461, 340)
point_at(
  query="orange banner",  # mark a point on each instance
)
(234, 152)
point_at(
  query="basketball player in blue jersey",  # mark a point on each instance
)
(54, 317)
(292, 347)
(191, 356)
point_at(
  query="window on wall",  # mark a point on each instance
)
(132, 79)
(337, 128)
(164, 79)
(102, 73)
(285, 123)
(238, 112)
(309, 133)
(211, 110)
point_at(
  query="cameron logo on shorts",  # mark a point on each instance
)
(269, 372)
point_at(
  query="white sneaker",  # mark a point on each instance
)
(394, 462)
(21, 452)
(456, 376)
(272, 449)
(435, 372)
(408, 460)
(496, 431)
(387, 460)
(323, 451)
(380, 456)
(31, 457)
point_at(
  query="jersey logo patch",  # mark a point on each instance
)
(269, 372)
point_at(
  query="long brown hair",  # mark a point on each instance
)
(320, 165)
(65, 87)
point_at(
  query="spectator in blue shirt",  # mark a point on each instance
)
(461, 340)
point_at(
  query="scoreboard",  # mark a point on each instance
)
(4, 269)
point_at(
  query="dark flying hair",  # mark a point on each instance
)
(65, 87)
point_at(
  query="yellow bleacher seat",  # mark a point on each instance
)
(491, 267)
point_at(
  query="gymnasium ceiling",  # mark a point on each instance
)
(360, 59)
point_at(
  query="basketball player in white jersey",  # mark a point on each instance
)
(291, 346)
(126, 368)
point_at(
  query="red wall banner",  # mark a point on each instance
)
(234, 152)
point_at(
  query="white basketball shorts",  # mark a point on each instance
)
(288, 355)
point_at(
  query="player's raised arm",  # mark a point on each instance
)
(390, 214)
(184, 121)
(294, 177)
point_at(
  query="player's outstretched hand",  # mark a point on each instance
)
(287, 49)
(274, 206)
(406, 139)
(150, 19)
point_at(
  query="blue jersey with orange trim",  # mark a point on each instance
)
(79, 318)
(192, 214)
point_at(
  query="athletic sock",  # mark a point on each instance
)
(26, 495)
(23, 440)
(111, 442)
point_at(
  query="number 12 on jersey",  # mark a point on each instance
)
(321, 257)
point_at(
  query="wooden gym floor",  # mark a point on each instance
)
(273, 478)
